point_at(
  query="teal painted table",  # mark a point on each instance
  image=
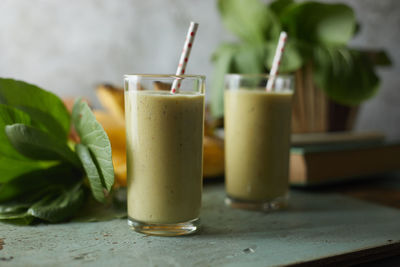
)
(316, 227)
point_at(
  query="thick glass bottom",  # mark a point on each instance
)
(274, 204)
(173, 229)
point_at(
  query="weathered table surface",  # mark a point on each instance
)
(316, 226)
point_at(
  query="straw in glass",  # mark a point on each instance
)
(187, 47)
(277, 61)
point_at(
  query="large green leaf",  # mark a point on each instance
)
(19, 217)
(95, 180)
(37, 144)
(10, 115)
(223, 64)
(95, 138)
(345, 75)
(21, 210)
(45, 108)
(60, 204)
(31, 183)
(319, 23)
(93, 211)
(279, 6)
(249, 58)
(12, 163)
(378, 57)
(16, 212)
(250, 20)
(14, 207)
(11, 168)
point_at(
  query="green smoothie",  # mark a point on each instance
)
(257, 142)
(164, 155)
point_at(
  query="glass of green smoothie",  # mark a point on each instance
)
(257, 140)
(164, 132)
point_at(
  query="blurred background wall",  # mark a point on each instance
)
(70, 46)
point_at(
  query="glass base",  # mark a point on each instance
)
(275, 204)
(173, 229)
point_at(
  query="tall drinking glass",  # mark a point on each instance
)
(164, 153)
(257, 141)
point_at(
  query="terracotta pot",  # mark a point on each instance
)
(313, 111)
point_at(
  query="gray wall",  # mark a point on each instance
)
(70, 46)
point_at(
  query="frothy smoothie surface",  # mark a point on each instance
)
(257, 142)
(164, 155)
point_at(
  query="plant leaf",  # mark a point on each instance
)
(249, 58)
(223, 61)
(378, 57)
(279, 6)
(319, 23)
(95, 138)
(59, 205)
(93, 211)
(15, 212)
(37, 181)
(18, 217)
(10, 115)
(37, 144)
(95, 180)
(14, 207)
(345, 75)
(44, 107)
(250, 20)
(11, 168)
(12, 163)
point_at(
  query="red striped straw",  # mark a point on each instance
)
(277, 61)
(187, 47)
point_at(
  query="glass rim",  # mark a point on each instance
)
(258, 75)
(172, 76)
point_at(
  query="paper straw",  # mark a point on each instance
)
(187, 47)
(277, 61)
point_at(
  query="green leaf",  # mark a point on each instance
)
(318, 23)
(93, 211)
(279, 6)
(59, 205)
(16, 213)
(95, 180)
(223, 61)
(14, 207)
(19, 217)
(44, 107)
(12, 163)
(10, 115)
(345, 75)
(37, 181)
(37, 144)
(11, 168)
(250, 20)
(377, 57)
(249, 58)
(95, 138)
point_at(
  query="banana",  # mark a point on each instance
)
(112, 99)
(119, 162)
(213, 157)
(114, 128)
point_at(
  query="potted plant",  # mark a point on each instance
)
(331, 77)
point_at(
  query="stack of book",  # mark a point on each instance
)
(332, 157)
